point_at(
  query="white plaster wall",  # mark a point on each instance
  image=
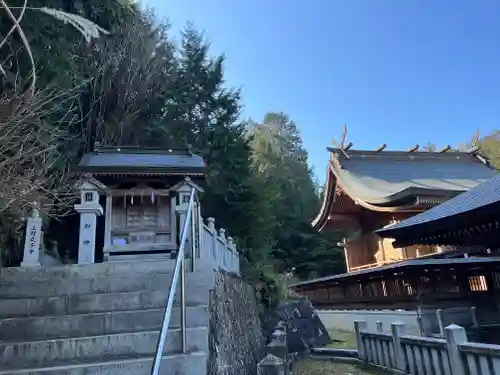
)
(344, 319)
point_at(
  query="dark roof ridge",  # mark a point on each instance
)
(408, 155)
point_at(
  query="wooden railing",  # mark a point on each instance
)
(407, 285)
(374, 265)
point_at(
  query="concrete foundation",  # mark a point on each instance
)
(344, 319)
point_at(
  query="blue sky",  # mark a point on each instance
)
(399, 72)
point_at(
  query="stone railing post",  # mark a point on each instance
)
(439, 317)
(397, 330)
(236, 258)
(230, 248)
(360, 326)
(213, 240)
(31, 256)
(278, 345)
(271, 365)
(222, 236)
(455, 336)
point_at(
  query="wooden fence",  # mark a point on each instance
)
(415, 355)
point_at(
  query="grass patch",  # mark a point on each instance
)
(348, 339)
(313, 367)
(319, 367)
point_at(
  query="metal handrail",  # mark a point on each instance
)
(178, 273)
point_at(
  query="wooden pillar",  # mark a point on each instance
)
(346, 256)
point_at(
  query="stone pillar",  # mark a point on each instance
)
(232, 254)
(181, 210)
(455, 336)
(88, 209)
(222, 236)
(31, 257)
(213, 241)
(360, 326)
(183, 190)
(397, 330)
(271, 365)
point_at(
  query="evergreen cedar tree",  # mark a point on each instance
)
(138, 86)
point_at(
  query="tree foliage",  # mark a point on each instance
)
(280, 162)
(137, 85)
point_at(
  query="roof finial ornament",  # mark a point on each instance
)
(414, 148)
(475, 145)
(444, 149)
(381, 147)
(475, 140)
(342, 146)
(344, 136)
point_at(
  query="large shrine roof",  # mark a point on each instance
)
(405, 181)
(134, 160)
(380, 178)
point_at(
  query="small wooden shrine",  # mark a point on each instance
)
(142, 188)
(369, 190)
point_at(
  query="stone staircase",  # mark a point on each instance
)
(99, 319)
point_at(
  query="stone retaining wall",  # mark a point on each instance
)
(236, 340)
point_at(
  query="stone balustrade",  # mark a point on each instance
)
(413, 355)
(219, 248)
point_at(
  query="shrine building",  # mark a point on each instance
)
(369, 190)
(142, 188)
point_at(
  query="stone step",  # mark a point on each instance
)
(73, 271)
(93, 303)
(19, 355)
(93, 324)
(100, 285)
(174, 364)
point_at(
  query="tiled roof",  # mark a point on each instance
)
(483, 195)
